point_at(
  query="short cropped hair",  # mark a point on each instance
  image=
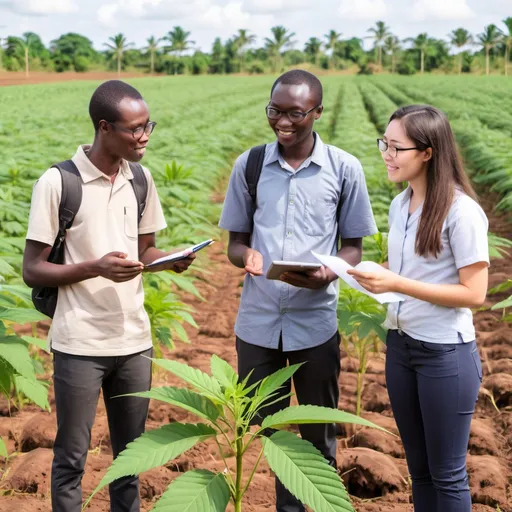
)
(106, 98)
(299, 77)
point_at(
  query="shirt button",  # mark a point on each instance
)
(291, 201)
(283, 311)
(289, 233)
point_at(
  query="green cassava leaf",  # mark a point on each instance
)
(186, 399)
(195, 491)
(507, 303)
(223, 372)
(304, 471)
(23, 293)
(3, 449)
(208, 386)
(274, 381)
(15, 352)
(154, 448)
(38, 342)
(303, 414)
(21, 315)
(34, 390)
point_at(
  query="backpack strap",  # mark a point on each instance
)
(70, 200)
(140, 187)
(253, 171)
(338, 212)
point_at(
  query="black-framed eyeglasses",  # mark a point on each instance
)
(296, 116)
(393, 151)
(137, 132)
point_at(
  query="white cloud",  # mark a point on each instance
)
(362, 10)
(107, 14)
(205, 15)
(41, 7)
(224, 16)
(441, 10)
(231, 17)
(160, 10)
(276, 6)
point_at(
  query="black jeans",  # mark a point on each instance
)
(433, 389)
(78, 380)
(315, 382)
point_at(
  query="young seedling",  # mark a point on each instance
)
(227, 408)
(360, 318)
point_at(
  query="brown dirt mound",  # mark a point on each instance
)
(500, 385)
(488, 482)
(482, 439)
(30, 472)
(375, 398)
(39, 432)
(369, 474)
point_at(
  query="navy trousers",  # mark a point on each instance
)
(433, 389)
(315, 382)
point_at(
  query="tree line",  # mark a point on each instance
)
(175, 53)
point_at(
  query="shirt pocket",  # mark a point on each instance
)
(131, 228)
(319, 216)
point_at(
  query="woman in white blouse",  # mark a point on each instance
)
(438, 258)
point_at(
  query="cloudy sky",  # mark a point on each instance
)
(207, 19)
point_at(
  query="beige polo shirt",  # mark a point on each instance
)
(97, 317)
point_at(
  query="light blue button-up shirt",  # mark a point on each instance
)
(464, 239)
(295, 214)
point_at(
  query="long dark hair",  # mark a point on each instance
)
(428, 127)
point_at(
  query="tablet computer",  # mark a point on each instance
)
(180, 255)
(280, 267)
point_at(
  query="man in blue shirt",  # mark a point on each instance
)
(294, 320)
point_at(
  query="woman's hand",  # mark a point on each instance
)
(377, 282)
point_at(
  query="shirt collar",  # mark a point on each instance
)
(317, 156)
(407, 195)
(89, 172)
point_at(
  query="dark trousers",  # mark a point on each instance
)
(78, 380)
(433, 389)
(315, 382)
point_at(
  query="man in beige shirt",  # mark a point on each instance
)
(100, 328)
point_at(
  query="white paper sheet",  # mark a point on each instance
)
(339, 266)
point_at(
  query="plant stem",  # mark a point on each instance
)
(239, 468)
(253, 471)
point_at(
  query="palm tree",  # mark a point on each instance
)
(332, 38)
(179, 42)
(460, 38)
(507, 41)
(282, 39)
(242, 40)
(23, 43)
(2, 42)
(380, 32)
(151, 48)
(422, 43)
(488, 39)
(118, 47)
(313, 48)
(392, 45)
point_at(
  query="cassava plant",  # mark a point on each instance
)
(506, 303)
(18, 381)
(227, 408)
(359, 319)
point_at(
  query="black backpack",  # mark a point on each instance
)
(45, 298)
(252, 176)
